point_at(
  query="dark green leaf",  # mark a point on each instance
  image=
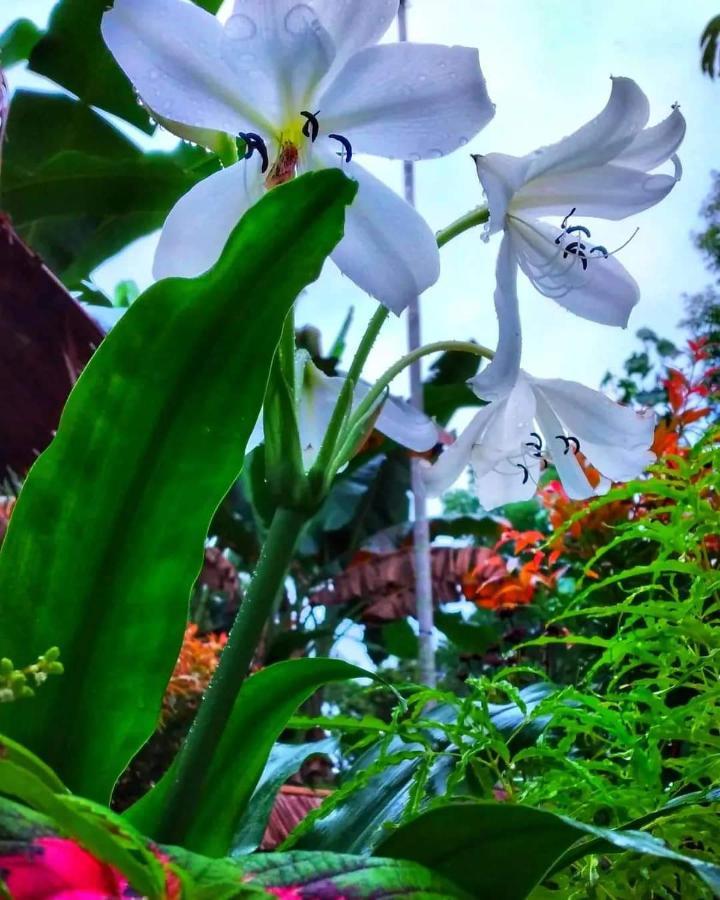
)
(107, 537)
(262, 710)
(400, 639)
(445, 390)
(284, 761)
(79, 191)
(490, 849)
(17, 42)
(466, 637)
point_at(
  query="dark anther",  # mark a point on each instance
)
(569, 441)
(577, 249)
(537, 444)
(347, 146)
(253, 142)
(311, 128)
(600, 249)
(567, 218)
(585, 231)
(526, 472)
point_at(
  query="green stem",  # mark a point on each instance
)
(366, 344)
(373, 396)
(216, 708)
(470, 220)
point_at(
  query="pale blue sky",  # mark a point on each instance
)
(547, 65)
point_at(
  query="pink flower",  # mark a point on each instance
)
(53, 868)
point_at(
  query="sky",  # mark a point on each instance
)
(547, 65)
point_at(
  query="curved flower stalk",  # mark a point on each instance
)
(602, 171)
(318, 395)
(530, 423)
(304, 86)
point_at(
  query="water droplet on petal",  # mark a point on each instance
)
(299, 19)
(422, 77)
(154, 74)
(435, 153)
(462, 142)
(415, 157)
(240, 28)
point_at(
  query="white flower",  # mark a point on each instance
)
(531, 422)
(318, 394)
(509, 442)
(600, 171)
(307, 85)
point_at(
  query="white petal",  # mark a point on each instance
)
(319, 394)
(605, 292)
(504, 444)
(172, 51)
(616, 439)
(605, 192)
(654, 146)
(197, 229)
(456, 458)
(408, 101)
(407, 426)
(498, 488)
(499, 378)
(282, 43)
(573, 478)
(388, 249)
(355, 24)
(501, 177)
(257, 435)
(602, 139)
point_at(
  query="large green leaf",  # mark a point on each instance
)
(262, 709)
(107, 537)
(78, 190)
(503, 851)
(445, 390)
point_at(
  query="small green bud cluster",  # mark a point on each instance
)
(19, 684)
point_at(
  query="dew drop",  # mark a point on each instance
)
(462, 142)
(154, 74)
(240, 28)
(435, 153)
(299, 19)
(415, 157)
(422, 77)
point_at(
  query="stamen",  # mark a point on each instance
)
(575, 228)
(569, 441)
(347, 146)
(537, 444)
(253, 143)
(526, 472)
(567, 218)
(311, 128)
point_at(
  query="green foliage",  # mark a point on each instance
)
(17, 42)
(78, 190)
(119, 506)
(212, 816)
(710, 44)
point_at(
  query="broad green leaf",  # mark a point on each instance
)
(284, 761)
(445, 390)
(266, 702)
(78, 190)
(17, 754)
(99, 830)
(490, 849)
(17, 42)
(472, 843)
(400, 640)
(316, 874)
(108, 532)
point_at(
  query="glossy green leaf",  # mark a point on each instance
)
(78, 190)
(445, 390)
(468, 638)
(262, 710)
(17, 42)
(348, 876)
(107, 537)
(284, 761)
(490, 849)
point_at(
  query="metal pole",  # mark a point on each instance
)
(421, 530)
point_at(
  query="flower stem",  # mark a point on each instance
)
(470, 220)
(216, 708)
(375, 393)
(375, 325)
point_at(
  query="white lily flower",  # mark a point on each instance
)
(318, 394)
(600, 171)
(306, 86)
(532, 422)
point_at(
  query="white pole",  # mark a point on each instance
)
(421, 529)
